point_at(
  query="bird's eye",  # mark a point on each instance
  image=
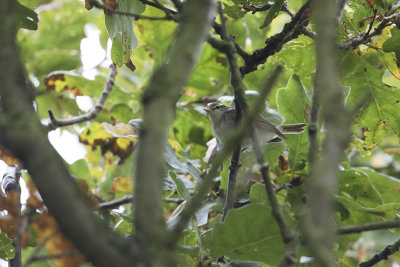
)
(219, 106)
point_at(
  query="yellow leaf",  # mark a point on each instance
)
(122, 185)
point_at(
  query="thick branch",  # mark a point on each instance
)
(159, 101)
(55, 123)
(318, 226)
(22, 133)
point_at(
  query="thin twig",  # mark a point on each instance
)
(313, 147)
(55, 123)
(383, 255)
(240, 107)
(128, 199)
(372, 226)
(119, 12)
(275, 43)
(178, 4)
(366, 38)
(66, 254)
(171, 14)
(221, 45)
(296, 181)
(289, 238)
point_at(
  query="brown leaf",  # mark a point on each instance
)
(88, 5)
(9, 225)
(130, 65)
(111, 3)
(370, 3)
(100, 135)
(283, 163)
(47, 228)
(34, 200)
(10, 203)
(7, 157)
(55, 81)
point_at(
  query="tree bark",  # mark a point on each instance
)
(22, 133)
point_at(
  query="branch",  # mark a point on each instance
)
(159, 103)
(275, 43)
(129, 199)
(23, 134)
(240, 106)
(317, 224)
(170, 14)
(359, 228)
(95, 3)
(10, 181)
(9, 185)
(284, 8)
(289, 238)
(383, 255)
(313, 147)
(366, 38)
(55, 123)
(195, 203)
(222, 45)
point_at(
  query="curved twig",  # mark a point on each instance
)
(55, 123)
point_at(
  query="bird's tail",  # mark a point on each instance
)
(295, 128)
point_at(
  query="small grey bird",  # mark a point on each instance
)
(223, 122)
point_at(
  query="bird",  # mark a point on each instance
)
(223, 122)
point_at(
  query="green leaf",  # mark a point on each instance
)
(248, 234)
(25, 17)
(393, 43)
(233, 11)
(180, 186)
(56, 44)
(180, 165)
(293, 103)
(117, 51)
(366, 190)
(7, 250)
(272, 13)
(299, 56)
(121, 32)
(378, 117)
(80, 170)
(258, 194)
(32, 4)
(121, 112)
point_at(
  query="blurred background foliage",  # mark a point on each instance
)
(67, 49)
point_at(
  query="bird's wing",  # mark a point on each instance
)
(263, 126)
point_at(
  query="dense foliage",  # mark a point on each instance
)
(56, 39)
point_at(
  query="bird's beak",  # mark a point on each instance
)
(207, 110)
